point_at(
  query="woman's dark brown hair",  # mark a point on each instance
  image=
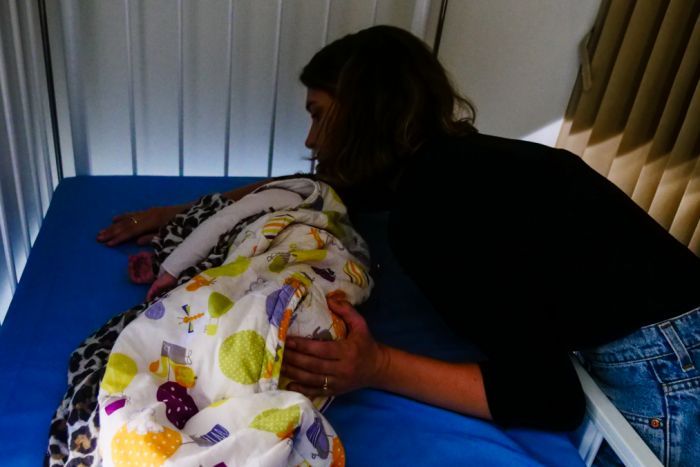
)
(390, 94)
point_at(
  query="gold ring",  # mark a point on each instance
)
(134, 220)
(325, 384)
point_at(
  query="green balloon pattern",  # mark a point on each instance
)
(278, 263)
(219, 304)
(334, 223)
(121, 369)
(277, 420)
(241, 356)
(335, 196)
(233, 269)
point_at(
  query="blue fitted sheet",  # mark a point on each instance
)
(72, 285)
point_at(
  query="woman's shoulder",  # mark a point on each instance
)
(488, 147)
(479, 157)
(477, 154)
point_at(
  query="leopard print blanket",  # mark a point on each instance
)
(75, 425)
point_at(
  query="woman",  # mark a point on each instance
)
(523, 249)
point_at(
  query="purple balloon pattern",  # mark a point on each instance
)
(156, 311)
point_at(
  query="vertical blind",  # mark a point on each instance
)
(159, 87)
(634, 114)
(27, 168)
(185, 87)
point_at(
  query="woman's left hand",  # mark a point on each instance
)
(341, 366)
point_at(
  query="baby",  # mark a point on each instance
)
(198, 244)
(197, 377)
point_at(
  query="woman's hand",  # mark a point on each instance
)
(355, 362)
(142, 225)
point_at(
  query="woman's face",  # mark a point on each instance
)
(318, 103)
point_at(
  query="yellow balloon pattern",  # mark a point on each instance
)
(282, 422)
(241, 356)
(132, 449)
(121, 369)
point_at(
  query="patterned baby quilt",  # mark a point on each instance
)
(195, 379)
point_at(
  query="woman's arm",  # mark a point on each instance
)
(142, 225)
(359, 361)
(536, 389)
(454, 386)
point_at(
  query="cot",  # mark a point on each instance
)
(72, 285)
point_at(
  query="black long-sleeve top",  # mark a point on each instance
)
(529, 253)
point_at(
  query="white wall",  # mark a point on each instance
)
(516, 60)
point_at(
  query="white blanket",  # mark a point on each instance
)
(194, 380)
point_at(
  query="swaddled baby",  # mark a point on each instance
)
(194, 380)
(195, 247)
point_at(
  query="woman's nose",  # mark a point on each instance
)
(311, 138)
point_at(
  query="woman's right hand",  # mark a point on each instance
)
(141, 225)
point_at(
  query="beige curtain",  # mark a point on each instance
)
(634, 114)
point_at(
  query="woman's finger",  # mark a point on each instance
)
(109, 233)
(112, 231)
(353, 319)
(310, 364)
(122, 216)
(309, 391)
(328, 350)
(120, 236)
(302, 376)
(121, 231)
(307, 383)
(106, 233)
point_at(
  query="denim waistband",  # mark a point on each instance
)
(672, 336)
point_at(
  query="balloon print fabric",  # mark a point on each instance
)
(195, 380)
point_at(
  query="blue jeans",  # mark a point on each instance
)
(653, 377)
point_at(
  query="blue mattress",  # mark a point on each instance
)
(72, 285)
